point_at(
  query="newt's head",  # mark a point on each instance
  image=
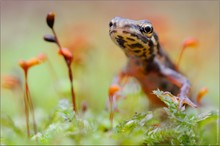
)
(136, 38)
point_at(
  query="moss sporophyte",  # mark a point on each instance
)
(67, 55)
(26, 65)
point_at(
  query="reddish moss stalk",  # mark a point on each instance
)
(67, 55)
(72, 89)
(188, 43)
(111, 115)
(26, 105)
(68, 61)
(29, 104)
(25, 65)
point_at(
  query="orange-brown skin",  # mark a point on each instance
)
(147, 61)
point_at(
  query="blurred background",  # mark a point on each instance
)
(82, 27)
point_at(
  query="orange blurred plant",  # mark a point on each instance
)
(26, 65)
(11, 82)
(201, 94)
(188, 43)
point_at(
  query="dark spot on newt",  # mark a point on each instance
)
(139, 37)
(151, 49)
(137, 62)
(137, 51)
(121, 42)
(134, 35)
(119, 36)
(130, 39)
(126, 32)
(127, 26)
(136, 45)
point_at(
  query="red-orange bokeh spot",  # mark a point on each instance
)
(113, 89)
(201, 94)
(10, 82)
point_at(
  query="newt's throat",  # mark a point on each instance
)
(133, 44)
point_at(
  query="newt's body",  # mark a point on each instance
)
(147, 61)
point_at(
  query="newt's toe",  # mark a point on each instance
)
(186, 100)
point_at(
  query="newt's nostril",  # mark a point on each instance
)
(110, 24)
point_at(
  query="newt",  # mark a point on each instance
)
(147, 62)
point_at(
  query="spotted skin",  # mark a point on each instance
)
(147, 61)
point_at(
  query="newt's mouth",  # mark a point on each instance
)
(128, 36)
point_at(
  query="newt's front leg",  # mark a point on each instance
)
(134, 68)
(180, 81)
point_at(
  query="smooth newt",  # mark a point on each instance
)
(147, 61)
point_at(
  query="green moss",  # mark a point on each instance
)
(166, 125)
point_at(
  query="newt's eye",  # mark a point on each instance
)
(148, 29)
